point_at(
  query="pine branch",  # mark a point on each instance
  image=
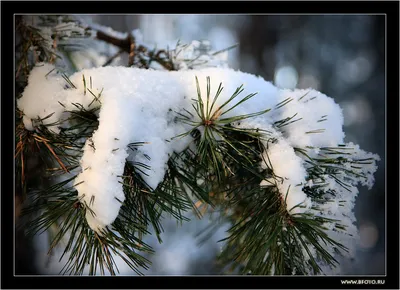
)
(213, 145)
(227, 168)
(59, 205)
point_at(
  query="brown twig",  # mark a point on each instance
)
(131, 51)
(19, 69)
(22, 167)
(124, 44)
(41, 139)
(54, 46)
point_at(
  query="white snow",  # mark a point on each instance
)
(68, 29)
(289, 169)
(88, 58)
(41, 95)
(107, 30)
(311, 108)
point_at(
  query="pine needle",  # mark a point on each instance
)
(45, 141)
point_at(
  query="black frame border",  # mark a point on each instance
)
(390, 8)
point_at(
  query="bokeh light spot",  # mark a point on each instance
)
(286, 77)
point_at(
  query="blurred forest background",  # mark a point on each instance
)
(343, 56)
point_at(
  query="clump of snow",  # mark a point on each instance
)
(279, 157)
(319, 120)
(128, 114)
(40, 98)
(134, 108)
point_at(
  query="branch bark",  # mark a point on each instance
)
(123, 44)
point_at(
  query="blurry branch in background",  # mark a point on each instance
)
(111, 59)
(190, 56)
(140, 55)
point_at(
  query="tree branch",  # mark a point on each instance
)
(129, 46)
(123, 44)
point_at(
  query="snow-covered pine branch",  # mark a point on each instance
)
(139, 105)
(135, 144)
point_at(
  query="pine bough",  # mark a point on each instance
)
(133, 145)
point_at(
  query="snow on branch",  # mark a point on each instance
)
(139, 105)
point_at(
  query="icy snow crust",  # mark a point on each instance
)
(140, 106)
